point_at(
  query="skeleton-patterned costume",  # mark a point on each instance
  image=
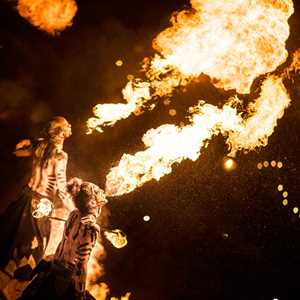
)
(23, 238)
(65, 276)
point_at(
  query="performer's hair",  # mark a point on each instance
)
(54, 130)
(86, 195)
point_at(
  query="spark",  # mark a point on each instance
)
(229, 164)
(119, 63)
(146, 218)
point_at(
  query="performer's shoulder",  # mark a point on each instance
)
(61, 155)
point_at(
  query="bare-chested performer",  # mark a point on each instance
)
(23, 237)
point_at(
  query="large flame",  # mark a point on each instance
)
(263, 116)
(232, 41)
(52, 16)
(169, 144)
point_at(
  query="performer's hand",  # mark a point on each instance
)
(23, 149)
(23, 144)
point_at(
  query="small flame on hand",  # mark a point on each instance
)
(117, 238)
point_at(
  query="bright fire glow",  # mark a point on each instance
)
(229, 164)
(108, 114)
(169, 144)
(263, 116)
(116, 237)
(52, 16)
(232, 41)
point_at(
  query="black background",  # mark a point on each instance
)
(212, 234)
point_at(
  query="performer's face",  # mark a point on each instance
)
(67, 129)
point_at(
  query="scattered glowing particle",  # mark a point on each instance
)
(266, 164)
(273, 163)
(225, 236)
(119, 63)
(229, 164)
(167, 102)
(295, 210)
(146, 218)
(285, 194)
(181, 124)
(280, 187)
(285, 202)
(130, 77)
(279, 165)
(172, 112)
(259, 166)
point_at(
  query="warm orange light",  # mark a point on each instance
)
(229, 164)
(146, 218)
(279, 165)
(285, 202)
(280, 187)
(259, 166)
(233, 42)
(273, 163)
(172, 112)
(52, 16)
(119, 63)
(295, 210)
(285, 194)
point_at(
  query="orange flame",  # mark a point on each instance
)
(233, 42)
(169, 144)
(263, 116)
(52, 16)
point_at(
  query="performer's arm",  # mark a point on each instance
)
(24, 148)
(61, 179)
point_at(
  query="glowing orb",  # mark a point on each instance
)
(229, 164)
(280, 187)
(119, 63)
(146, 218)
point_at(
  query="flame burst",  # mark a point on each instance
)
(233, 42)
(52, 16)
(169, 144)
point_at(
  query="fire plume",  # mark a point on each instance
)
(169, 144)
(233, 42)
(52, 16)
(263, 115)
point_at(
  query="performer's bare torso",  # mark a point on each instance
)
(49, 180)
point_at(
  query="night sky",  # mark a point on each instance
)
(212, 234)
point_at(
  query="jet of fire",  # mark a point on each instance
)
(232, 41)
(52, 16)
(263, 116)
(169, 144)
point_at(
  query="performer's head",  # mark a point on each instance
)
(88, 197)
(58, 129)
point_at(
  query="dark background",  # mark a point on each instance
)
(212, 234)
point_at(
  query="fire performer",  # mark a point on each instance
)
(23, 236)
(64, 276)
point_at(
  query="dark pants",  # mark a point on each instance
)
(21, 235)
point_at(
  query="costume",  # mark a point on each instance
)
(64, 277)
(23, 238)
